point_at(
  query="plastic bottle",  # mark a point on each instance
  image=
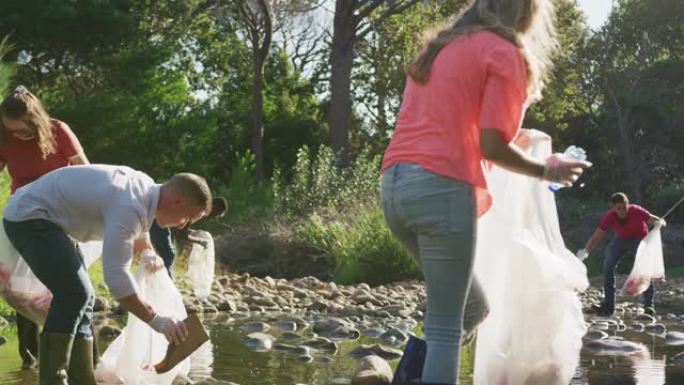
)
(571, 153)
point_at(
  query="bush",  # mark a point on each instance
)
(318, 184)
(360, 247)
(247, 199)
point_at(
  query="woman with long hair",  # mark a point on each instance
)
(464, 101)
(33, 144)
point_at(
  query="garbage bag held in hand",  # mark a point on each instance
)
(648, 264)
(533, 333)
(130, 358)
(20, 288)
(201, 265)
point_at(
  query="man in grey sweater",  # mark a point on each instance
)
(117, 205)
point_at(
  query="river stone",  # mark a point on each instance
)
(344, 333)
(260, 342)
(655, 328)
(250, 327)
(373, 332)
(393, 332)
(325, 359)
(261, 301)
(321, 343)
(109, 331)
(613, 346)
(209, 309)
(329, 324)
(376, 349)
(675, 338)
(645, 318)
(305, 358)
(284, 347)
(320, 305)
(288, 326)
(290, 336)
(602, 325)
(100, 304)
(679, 359)
(372, 370)
(638, 326)
(595, 335)
(227, 305)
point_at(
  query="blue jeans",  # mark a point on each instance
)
(57, 262)
(614, 253)
(161, 241)
(435, 218)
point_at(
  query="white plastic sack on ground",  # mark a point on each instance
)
(20, 288)
(201, 265)
(648, 264)
(129, 358)
(533, 334)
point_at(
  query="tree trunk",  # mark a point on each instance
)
(341, 61)
(258, 116)
(631, 171)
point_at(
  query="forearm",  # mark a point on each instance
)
(653, 220)
(594, 240)
(509, 156)
(134, 304)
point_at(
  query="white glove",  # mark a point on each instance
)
(565, 172)
(151, 261)
(174, 330)
(582, 254)
(663, 223)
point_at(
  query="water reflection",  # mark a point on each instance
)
(225, 358)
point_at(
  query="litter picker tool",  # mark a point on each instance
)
(673, 207)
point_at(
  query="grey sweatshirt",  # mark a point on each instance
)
(115, 204)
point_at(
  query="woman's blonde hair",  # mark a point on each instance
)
(529, 24)
(22, 105)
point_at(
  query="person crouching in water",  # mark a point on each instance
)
(630, 223)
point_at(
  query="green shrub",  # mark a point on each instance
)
(318, 184)
(247, 199)
(360, 246)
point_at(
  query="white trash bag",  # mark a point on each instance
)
(130, 358)
(648, 264)
(533, 333)
(201, 265)
(20, 288)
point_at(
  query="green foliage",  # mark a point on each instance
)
(247, 199)
(359, 245)
(317, 183)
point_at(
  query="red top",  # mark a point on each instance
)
(25, 162)
(635, 226)
(477, 81)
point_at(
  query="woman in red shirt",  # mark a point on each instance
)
(31, 145)
(464, 102)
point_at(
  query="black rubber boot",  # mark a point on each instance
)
(55, 353)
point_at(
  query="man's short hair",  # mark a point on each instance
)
(619, 197)
(193, 187)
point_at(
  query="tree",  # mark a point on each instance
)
(353, 20)
(631, 70)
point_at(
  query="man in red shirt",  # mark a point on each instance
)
(630, 223)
